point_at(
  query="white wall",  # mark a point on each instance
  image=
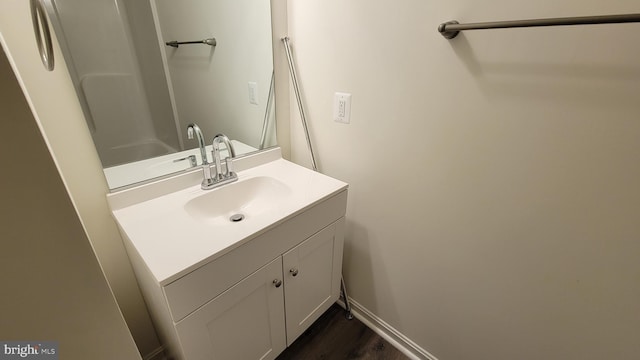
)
(494, 179)
(61, 119)
(52, 286)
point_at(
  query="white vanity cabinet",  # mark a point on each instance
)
(254, 300)
(244, 322)
(219, 289)
(247, 321)
(312, 273)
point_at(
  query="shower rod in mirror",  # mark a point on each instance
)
(452, 28)
(209, 41)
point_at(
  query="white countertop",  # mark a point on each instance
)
(173, 243)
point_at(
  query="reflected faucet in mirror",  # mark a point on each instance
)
(193, 128)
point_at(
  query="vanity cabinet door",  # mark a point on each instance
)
(312, 278)
(245, 322)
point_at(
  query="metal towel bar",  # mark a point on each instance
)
(452, 28)
(209, 41)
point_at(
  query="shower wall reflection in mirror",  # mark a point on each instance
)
(138, 94)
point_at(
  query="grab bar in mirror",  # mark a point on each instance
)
(209, 41)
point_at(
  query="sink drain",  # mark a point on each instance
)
(236, 218)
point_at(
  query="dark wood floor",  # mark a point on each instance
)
(332, 336)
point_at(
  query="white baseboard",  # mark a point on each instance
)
(388, 332)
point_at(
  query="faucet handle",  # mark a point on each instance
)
(229, 164)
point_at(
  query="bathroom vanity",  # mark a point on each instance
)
(240, 271)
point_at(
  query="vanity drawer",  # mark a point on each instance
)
(195, 289)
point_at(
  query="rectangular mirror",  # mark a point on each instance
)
(139, 94)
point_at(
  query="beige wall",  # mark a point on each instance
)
(494, 179)
(62, 122)
(52, 286)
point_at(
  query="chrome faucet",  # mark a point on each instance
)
(191, 128)
(216, 155)
(211, 181)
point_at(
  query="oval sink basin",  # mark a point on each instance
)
(249, 198)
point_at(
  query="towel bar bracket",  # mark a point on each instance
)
(449, 34)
